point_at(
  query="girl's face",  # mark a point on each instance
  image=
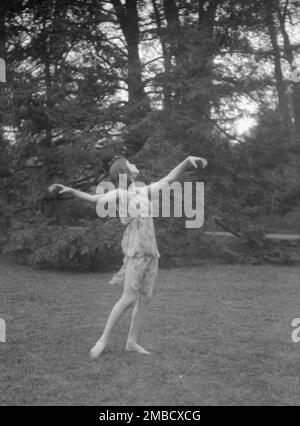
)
(134, 171)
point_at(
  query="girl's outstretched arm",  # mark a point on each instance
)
(62, 189)
(177, 172)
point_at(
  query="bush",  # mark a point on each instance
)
(97, 247)
(5, 223)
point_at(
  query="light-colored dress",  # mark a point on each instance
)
(139, 246)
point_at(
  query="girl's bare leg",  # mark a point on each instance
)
(138, 314)
(127, 299)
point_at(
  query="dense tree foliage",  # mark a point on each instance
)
(156, 80)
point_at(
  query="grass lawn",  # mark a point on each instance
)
(218, 335)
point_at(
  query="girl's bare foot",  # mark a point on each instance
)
(137, 348)
(98, 349)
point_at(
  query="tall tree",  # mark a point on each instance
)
(280, 84)
(4, 157)
(282, 14)
(167, 91)
(129, 22)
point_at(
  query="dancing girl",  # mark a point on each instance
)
(141, 255)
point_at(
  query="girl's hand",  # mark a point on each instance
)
(61, 189)
(194, 160)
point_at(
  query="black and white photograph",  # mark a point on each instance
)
(149, 205)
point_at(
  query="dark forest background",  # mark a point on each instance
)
(155, 80)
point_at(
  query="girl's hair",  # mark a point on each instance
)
(117, 168)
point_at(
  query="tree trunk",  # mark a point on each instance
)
(288, 51)
(4, 166)
(296, 105)
(167, 57)
(206, 21)
(128, 19)
(283, 104)
(207, 17)
(175, 44)
(172, 17)
(48, 103)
